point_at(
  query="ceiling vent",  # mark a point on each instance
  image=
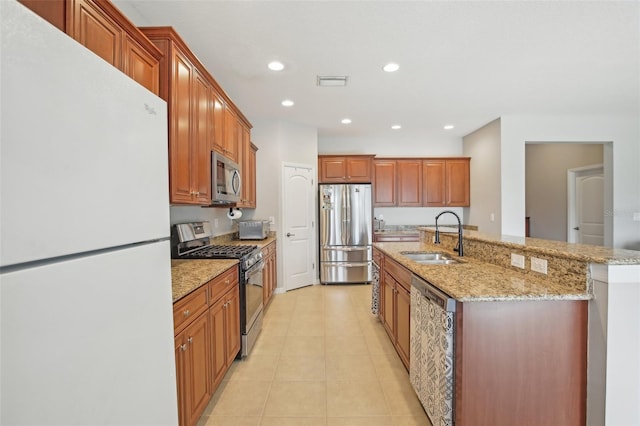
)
(332, 80)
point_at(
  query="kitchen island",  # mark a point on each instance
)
(521, 337)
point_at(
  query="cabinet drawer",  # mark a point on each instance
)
(268, 249)
(222, 283)
(377, 257)
(188, 308)
(402, 275)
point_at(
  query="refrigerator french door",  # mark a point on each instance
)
(345, 233)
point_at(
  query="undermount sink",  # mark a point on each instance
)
(429, 258)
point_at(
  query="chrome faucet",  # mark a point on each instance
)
(458, 248)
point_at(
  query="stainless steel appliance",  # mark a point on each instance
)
(85, 276)
(432, 336)
(225, 180)
(253, 229)
(191, 241)
(345, 233)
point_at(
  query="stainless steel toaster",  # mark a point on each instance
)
(253, 229)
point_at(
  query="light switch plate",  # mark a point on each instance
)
(517, 260)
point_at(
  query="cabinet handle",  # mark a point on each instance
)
(226, 281)
(183, 347)
(186, 313)
(190, 340)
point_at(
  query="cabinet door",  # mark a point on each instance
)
(197, 361)
(200, 142)
(358, 169)
(403, 314)
(217, 122)
(179, 348)
(53, 11)
(180, 136)
(218, 341)
(231, 135)
(388, 302)
(433, 173)
(252, 191)
(247, 168)
(384, 183)
(232, 324)
(332, 169)
(457, 192)
(141, 66)
(97, 32)
(410, 183)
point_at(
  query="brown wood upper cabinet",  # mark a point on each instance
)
(345, 169)
(446, 182)
(102, 28)
(416, 182)
(201, 119)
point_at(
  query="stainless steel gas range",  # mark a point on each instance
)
(192, 241)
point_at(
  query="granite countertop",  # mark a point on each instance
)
(582, 252)
(189, 274)
(473, 280)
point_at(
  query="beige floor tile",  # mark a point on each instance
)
(379, 343)
(350, 368)
(253, 367)
(306, 327)
(303, 345)
(354, 399)
(389, 367)
(234, 397)
(229, 421)
(269, 345)
(293, 421)
(360, 421)
(303, 368)
(276, 327)
(411, 420)
(401, 397)
(347, 328)
(346, 345)
(296, 399)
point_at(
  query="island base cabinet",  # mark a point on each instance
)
(521, 363)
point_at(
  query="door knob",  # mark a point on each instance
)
(289, 234)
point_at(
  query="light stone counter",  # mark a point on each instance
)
(188, 275)
(475, 280)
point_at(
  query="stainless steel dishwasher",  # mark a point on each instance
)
(431, 368)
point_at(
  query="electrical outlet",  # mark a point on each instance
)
(492, 217)
(539, 265)
(216, 223)
(272, 220)
(381, 216)
(517, 260)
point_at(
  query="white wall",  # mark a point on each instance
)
(483, 146)
(280, 142)
(623, 157)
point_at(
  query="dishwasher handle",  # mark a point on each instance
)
(434, 294)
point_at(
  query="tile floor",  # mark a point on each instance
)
(322, 359)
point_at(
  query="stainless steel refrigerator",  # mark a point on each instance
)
(345, 233)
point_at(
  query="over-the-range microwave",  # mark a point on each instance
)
(225, 180)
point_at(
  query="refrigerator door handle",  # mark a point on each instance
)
(359, 248)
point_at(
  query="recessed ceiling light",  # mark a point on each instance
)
(396, 127)
(346, 121)
(276, 66)
(287, 103)
(391, 67)
(449, 127)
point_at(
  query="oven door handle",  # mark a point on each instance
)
(258, 267)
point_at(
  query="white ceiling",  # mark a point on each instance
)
(461, 63)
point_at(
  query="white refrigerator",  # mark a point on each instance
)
(86, 325)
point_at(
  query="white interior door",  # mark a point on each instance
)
(586, 221)
(298, 226)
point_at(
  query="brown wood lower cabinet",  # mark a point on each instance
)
(270, 272)
(395, 306)
(207, 340)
